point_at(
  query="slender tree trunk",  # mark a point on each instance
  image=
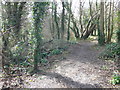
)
(80, 18)
(56, 21)
(68, 31)
(101, 37)
(106, 19)
(51, 22)
(112, 22)
(109, 25)
(53, 26)
(63, 20)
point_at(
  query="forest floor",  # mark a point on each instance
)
(81, 68)
(78, 67)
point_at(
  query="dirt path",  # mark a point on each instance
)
(80, 69)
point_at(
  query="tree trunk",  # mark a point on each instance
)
(63, 20)
(68, 31)
(112, 22)
(53, 26)
(38, 12)
(80, 18)
(109, 25)
(56, 21)
(118, 38)
(101, 36)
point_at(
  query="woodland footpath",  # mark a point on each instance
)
(60, 44)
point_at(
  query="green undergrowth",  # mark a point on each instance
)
(110, 51)
(115, 78)
(23, 57)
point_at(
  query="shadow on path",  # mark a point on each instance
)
(68, 82)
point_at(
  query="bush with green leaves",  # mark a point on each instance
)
(110, 51)
(56, 52)
(44, 61)
(21, 53)
(115, 79)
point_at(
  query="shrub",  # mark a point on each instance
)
(110, 51)
(56, 52)
(43, 61)
(115, 79)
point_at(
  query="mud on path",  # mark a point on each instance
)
(81, 69)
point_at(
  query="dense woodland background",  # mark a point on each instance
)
(31, 32)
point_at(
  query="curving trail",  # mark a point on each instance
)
(80, 69)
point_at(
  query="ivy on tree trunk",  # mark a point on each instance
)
(39, 9)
